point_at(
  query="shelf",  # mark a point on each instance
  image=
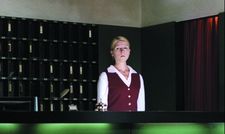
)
(42, 58)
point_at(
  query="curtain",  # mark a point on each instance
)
(201, 45)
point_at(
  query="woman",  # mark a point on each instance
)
(120, 87)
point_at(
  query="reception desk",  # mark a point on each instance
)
(110, 117)
(112, 122)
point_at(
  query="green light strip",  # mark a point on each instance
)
(179, 128)
(108, 128)
(9, 128)
(217, 128)
(72, 128)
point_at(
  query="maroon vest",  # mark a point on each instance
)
(120, 96)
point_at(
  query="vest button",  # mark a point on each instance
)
(128, 89)
(129, 96)
(129, 103)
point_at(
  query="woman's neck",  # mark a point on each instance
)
(121, 67)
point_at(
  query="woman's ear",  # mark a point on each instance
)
(111, 53)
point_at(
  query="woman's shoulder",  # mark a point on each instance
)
(134, 71)
(103, 73)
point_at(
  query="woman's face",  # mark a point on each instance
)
(121, 52)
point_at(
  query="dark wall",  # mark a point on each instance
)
(221, 62)
(107, 33)
(158, 66)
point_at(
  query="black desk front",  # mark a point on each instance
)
(112, 122)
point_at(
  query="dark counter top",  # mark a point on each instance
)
(110, 117)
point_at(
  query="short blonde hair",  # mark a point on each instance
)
(117, 39)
